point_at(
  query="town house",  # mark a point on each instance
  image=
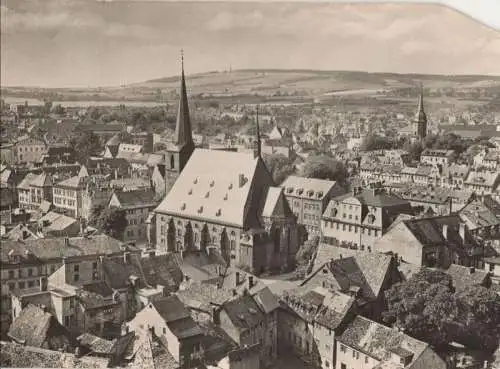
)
(359, 218)
(34, 189)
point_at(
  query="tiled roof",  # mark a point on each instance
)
(118, 271)
(130, 183)
(171, 308)
(58, 247)
(477, 215)
(35, 327)
(364, 270)
(96, 344)
(163, 270)
(27, 181)
(73, 182)
(18, 356)
(482, 178)
(272, 198)
(464, 277)
(378, 340)
(215, 193)
(96, 295)
(136, 198)
(435, 152)
(53, 221)
(308, 188)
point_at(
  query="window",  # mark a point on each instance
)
(31, 284)
(66, 321)
(94, 265)
(76, 277)
(76, 268)
(12, 286)
(343, 366)
(30, 272)
(71, 303)
(343, 348)
(366, 359)
(164, 330)
(21, 285)
(327, 364)
(12, 274)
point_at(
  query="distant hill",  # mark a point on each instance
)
(268, 82)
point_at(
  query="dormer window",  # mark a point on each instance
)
(207, 195)
(190, 192)
(200, 209)
(212, 183)
(289, 190)
(218, 213)
(195, 181)
(300, 191)
(183, 206)
(310, 193)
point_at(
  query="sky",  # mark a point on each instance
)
(82, 43)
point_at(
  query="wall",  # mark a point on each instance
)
(353, 359)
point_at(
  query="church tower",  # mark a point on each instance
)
(179, 151)
(257, 150)
(421, 117)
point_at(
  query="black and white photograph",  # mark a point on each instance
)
(250, 184)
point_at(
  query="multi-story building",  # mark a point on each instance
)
(309, 321)
(365, 344)
(29, 150)
(168, 319)
(483, 182)
(437, 157)
(492, 266)
(34, 189)
(360, 218)
(454, 175)
(308, 198)
(71, 197)
(26, 265)
(137, 205)
(432, 242)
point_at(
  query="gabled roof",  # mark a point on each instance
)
(477, 215)
(53, 221)
(364, 270)
(464, 277)
(377, 340)
(58, 247)
(171, 308)
(308, 188)
(35, 327)
(243, 312)
(276, 203)
(136, 198)
(216, 193)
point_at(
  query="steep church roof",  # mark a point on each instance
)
(218, 193)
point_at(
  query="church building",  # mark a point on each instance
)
(226, 203)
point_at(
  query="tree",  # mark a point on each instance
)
(279, 166)
(324, 167)
(427, 307)
(58, 109)
(112, 221)
(85, 145)
(374, 142)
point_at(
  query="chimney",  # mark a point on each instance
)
(250, 281)
(215, 315)
(237, 279)
(241, 180)
(445, 231)
(461, 230)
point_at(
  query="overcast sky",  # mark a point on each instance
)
(58, 43)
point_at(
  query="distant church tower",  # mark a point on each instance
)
(179, 152)
(257, 149)
(421, 117)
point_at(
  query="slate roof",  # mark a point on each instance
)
(75, 182)
(96, 295)
(307, 188)
(482, 178)
(96, 344)
(37, 328)
(136, 198)
(163, 270)
(171, 308)
(117, 271)
(217, 193)
(377, 340)
(56, 247)
(27, 181)
(130, 183)
(243, 312)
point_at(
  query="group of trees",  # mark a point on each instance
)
(85, 145)
(279, 166)
(324, 167)
(427, 307)
(111, 221)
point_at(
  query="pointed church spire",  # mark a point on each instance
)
(421, 117)
(183, 134)
(257, 150)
